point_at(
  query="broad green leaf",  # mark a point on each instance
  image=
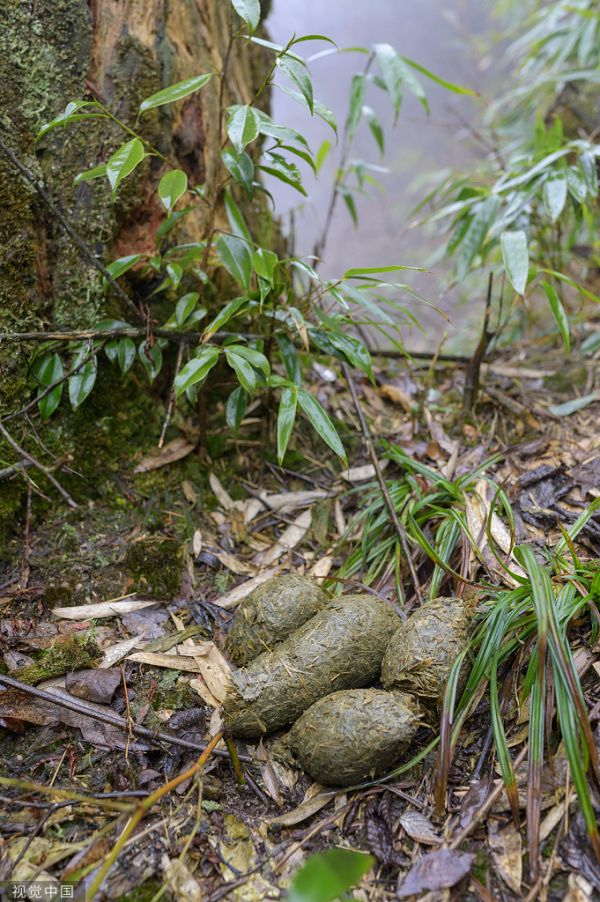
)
(126, 353)
(196, 370)
(577, 184)
(171, 187)
(237, 223)
(90, 174)
(296, 70)
(474, 237)
(243, 127)
(555, 195)
(515, 254)
(151, 357)
(355, 108)
(236, 256)
(321, 423)
(123, 162)
(235, 409)
(258, 360)
(174, 273)
(450, 86)
(185, 305)
(229, 310)
(111, 349)
(117, 268)
(276, 165)
(109, 325)
(355, 352)
(175, 92)
(243, 370)
(558, 312)
(241, 168)
(264, 262)
(71, 114)
(392, 73)
(286, 417)
(326, 876)
(375, 127)
(249, 11)
(48, 370)
(289, 356)
(280, 132)
(81, 384)
(319, 108)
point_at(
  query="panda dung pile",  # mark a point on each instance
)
(321, 657)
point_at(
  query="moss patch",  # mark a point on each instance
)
(75, 653)
(155, 566)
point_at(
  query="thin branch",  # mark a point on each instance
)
(85, 251)
(37, 464)
(109, 718)
(384, 490)
(471, 389)
(171, 405)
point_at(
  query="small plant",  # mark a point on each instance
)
(280, 313)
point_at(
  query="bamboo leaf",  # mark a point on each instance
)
(515, 254)
(175, 92)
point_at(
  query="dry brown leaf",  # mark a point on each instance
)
(212, 667)
(286, 502)
(189, 492)
(102, 609)
(397, 396)
(120, 650)
(419, 828)
(305, 810)
(231, 599)
(505, 846)
(288, 539)
(168, 454)
(361, 474)
(233, 563)
(180, 880)
(322, 568)
(172, 662)
(222, 496)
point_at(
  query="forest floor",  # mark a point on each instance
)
(166, 550)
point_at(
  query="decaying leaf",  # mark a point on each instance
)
(102, 609)
(174, 450)
(505, 846)
(222, 496)
(419, 828)
(437, 870)
(181, 882)
(115, 653)
(93, 685)
(305, 809)
(289, 538)
(232, 599)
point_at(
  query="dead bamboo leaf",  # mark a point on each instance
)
(115, 653)
(322, 568)
(361, 474)
(180, 880)
(505, 846)
(102, 609)
(222, 496)
(289, 538)
(305, 810)
(231, 599)
(172, 662)
(286, 502)
(168, 454)
(212, 667)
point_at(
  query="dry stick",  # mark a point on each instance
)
(37, 464)
(25, 568)
(384, 490)
(171, 404)
(66, 794)
(77, 240)
(113, 719)
(145, 806)
(471, 389)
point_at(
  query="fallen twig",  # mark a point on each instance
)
(384, 490)
(37, 464)
(110, 718)
(471, 389)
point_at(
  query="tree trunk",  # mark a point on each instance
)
(120, 51)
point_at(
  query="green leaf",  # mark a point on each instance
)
(370, 270)
(249, 11)
(321, 423)
(71, 114)
(175, 92)
(325, 876)
(117, 268)
(237, 223)
(125, 353)
(151, 357)
(123, 162)
(555, 195)
(297, 72)
(392, 71)
(196, 370)
(229, 310)
(515, 254)
(355, 108)
(276, 165)
(243, 127)
(90, 174)
(569, 407)
(235, 409)
(450, 86)
(48, 370)
(375, 127)
(236, 256)
(171, 187)
(258, 360)
(185, 305)
(264, 262)
(241, 168)
(289, 356)
(472, 242)
(81, 384)
(348, 198)
(243, 370)
(558, 312)
(286, 417)
(322, 154)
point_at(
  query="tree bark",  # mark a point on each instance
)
(119, 51)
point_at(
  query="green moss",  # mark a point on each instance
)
(155, 565)
(75, 653)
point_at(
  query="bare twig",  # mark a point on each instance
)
(171, 405)
(85, 251)
(384, 490)
(25, 568)
(109, 718)
(471, 389)
(25, 455)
